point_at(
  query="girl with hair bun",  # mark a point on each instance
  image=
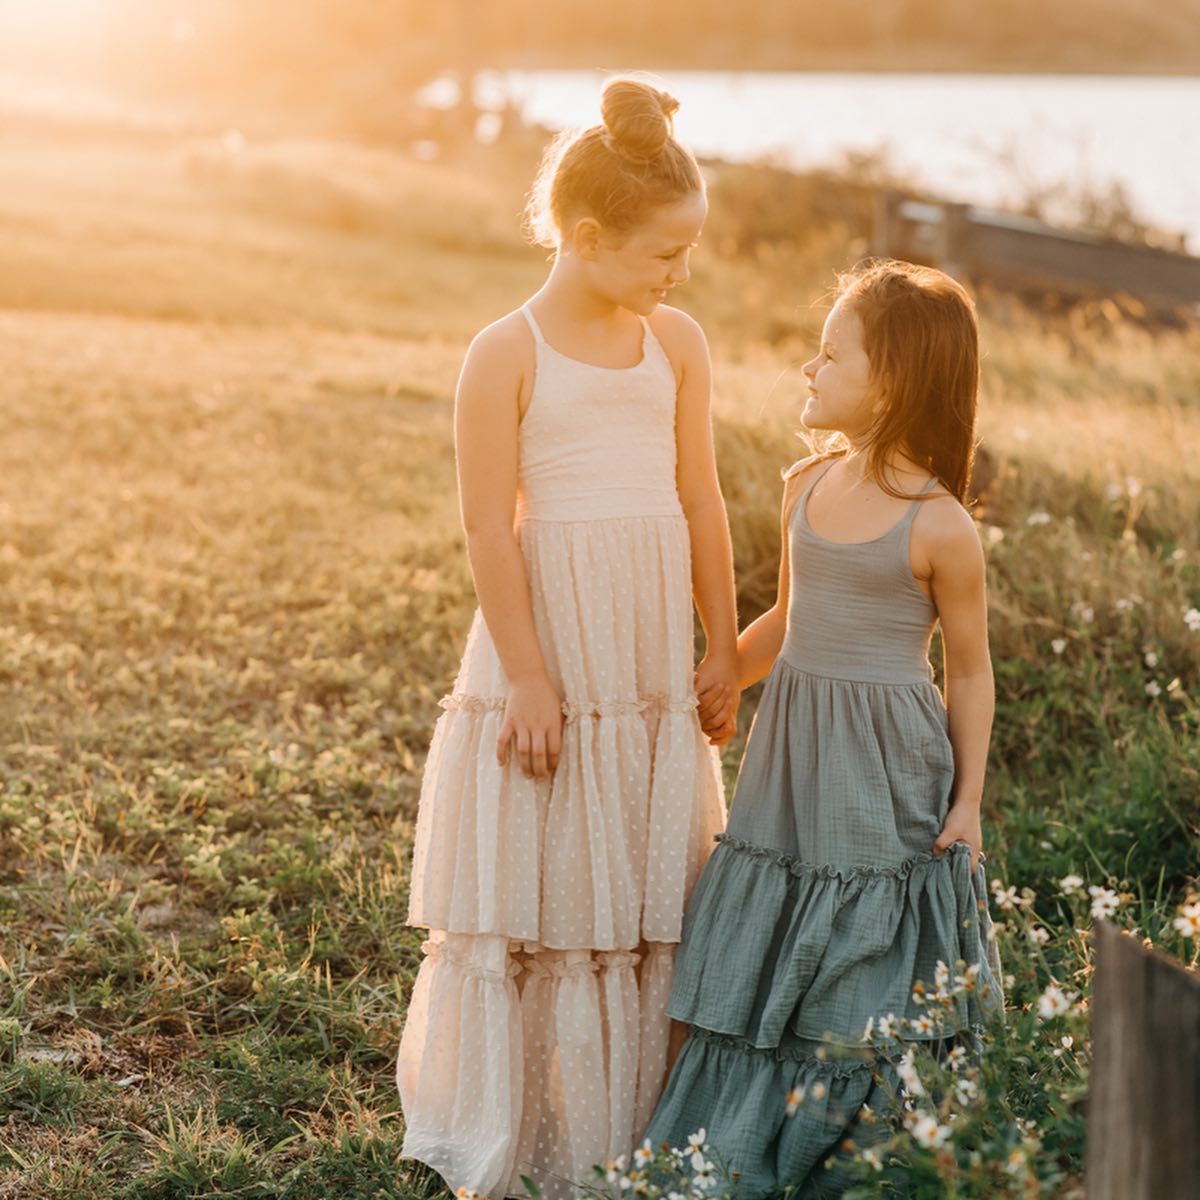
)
(570, 797)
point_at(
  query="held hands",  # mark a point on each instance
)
(962, 825)
(533, 720)
(719, 696)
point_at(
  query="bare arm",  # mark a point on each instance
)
(708, 524)
(700, 495)
(761, 641)
(958, 583)
(486, 420)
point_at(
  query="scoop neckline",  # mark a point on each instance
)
(868, 541)
(641, 362)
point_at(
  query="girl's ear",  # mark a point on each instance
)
(585, 238)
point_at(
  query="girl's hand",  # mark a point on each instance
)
(711, 708)
(533, 719)
(717, 689)
(962, 825)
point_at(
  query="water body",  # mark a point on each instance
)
(989, 140)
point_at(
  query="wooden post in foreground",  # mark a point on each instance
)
(1143, 1131)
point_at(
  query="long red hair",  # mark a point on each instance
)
(921, 338)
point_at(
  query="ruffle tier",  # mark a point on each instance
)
(740, 1096)
(845, 771)
(566, 861)
(818, 951)
(516, 1060)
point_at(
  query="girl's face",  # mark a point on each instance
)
(638, 269)
(839, 378)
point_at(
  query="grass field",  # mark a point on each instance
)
(234, 588)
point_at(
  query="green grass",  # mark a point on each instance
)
(234, 589)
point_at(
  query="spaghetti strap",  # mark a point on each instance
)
(909, 516)
(537, 332)
(813, 482)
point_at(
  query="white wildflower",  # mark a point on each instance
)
(1005, 897)
(1105, 901)
(698, 1140)
(818, 1091)
(869, 1032)
(1070, 884)
(1191, 619)
(1113, 491)
(965, 1090)
(887, 1026)
(1066, 1042)
(1153, 689)
(1123, 605)
(1053, 1002)
(794, 1099)
(1133, 485)
(1039, 935)
(1058, 645)
(909, 1076)
(643, 1154)
(970, 977)
(941, 974)
(1178, 554)
(927, 1132)
(1085, 612)
(1188, 921)
(923, 1024)
(705, 1174)
(995, 534)
(1150, 659)
(872, 1160)
(957, 1058)
(1038, 518)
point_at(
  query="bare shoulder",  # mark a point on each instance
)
(508, 340)
(798, 476)
(499, 369)
(680, 336)
(943, 526)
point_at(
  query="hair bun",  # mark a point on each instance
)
(637, 118)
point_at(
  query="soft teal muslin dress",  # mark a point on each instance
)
(823, 903)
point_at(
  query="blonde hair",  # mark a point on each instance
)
(615, 171)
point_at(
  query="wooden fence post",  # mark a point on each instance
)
(883, 223)
(1143, 1131)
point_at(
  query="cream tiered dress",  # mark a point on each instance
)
(536, 1037)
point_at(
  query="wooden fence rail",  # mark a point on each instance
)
(1020, 253)
(1143, 1131)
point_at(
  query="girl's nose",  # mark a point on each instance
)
(810, 368)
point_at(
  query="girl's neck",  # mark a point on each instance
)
(857, 462)
(567, 292)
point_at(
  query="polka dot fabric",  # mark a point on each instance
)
(536, 1036)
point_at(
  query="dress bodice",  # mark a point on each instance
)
(598, 442)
